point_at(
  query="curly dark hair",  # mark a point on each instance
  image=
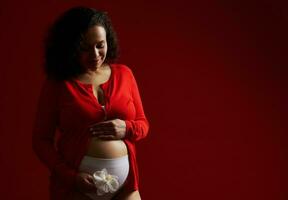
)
(64, 37)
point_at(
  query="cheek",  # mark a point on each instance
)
(104, 51)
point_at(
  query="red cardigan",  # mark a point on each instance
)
(70, 108)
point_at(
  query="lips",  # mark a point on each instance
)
(95, 61)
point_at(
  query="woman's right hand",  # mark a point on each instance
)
(84, 182)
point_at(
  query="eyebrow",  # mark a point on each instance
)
(97, 42)
(100, 41)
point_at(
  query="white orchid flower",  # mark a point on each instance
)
(105, 182)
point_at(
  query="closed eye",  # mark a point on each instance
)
(100, 46)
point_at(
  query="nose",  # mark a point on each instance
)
(95, 52)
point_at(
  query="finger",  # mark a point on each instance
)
(90, 179)
(104, 128)
(98, 133)
(106, 137)
(103, 123)
(95, 133)
(94, 126)
(89, 183)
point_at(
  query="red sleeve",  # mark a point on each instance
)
(43, 139)
(138, 128)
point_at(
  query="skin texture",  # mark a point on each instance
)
(92, 56)
(93, 49)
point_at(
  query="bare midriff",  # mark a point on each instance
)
(106, 148)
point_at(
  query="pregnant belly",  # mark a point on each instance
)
(106, 148)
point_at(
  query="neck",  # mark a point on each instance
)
(91, 74)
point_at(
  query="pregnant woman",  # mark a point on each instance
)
(89, 112)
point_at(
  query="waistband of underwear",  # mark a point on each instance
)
(111, 162)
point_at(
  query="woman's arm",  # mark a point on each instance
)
(43, 139)
(138, 128)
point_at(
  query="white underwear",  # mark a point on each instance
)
(109, 175)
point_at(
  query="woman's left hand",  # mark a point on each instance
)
(109, 130)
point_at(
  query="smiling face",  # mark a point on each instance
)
(93, 48)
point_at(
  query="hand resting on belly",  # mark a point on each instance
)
(107, 138)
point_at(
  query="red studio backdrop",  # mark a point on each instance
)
(213, 81)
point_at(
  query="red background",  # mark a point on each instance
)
(213, 79)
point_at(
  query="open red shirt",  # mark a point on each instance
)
(70, 107)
